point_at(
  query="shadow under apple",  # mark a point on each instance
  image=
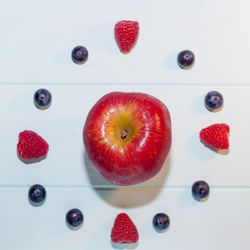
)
(129, 196)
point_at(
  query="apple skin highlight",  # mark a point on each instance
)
(127, 137)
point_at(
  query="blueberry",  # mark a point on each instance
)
(42, 98)
(213, 100)
(79, 55)
(185, 59)
(161, 221)
(200, 190)
(37, 195)
(74, 218)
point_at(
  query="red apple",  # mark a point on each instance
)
(127, 137)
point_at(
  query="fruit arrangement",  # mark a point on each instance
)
(127, 137)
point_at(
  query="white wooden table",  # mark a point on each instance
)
(35, 52)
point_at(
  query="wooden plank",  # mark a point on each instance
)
(61, 125)
(222, 222)
(37, 40)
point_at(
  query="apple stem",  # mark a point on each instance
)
(124, 133)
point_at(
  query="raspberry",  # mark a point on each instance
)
(31, 145)
(215, 136)
(124, 230)
(126, 33)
